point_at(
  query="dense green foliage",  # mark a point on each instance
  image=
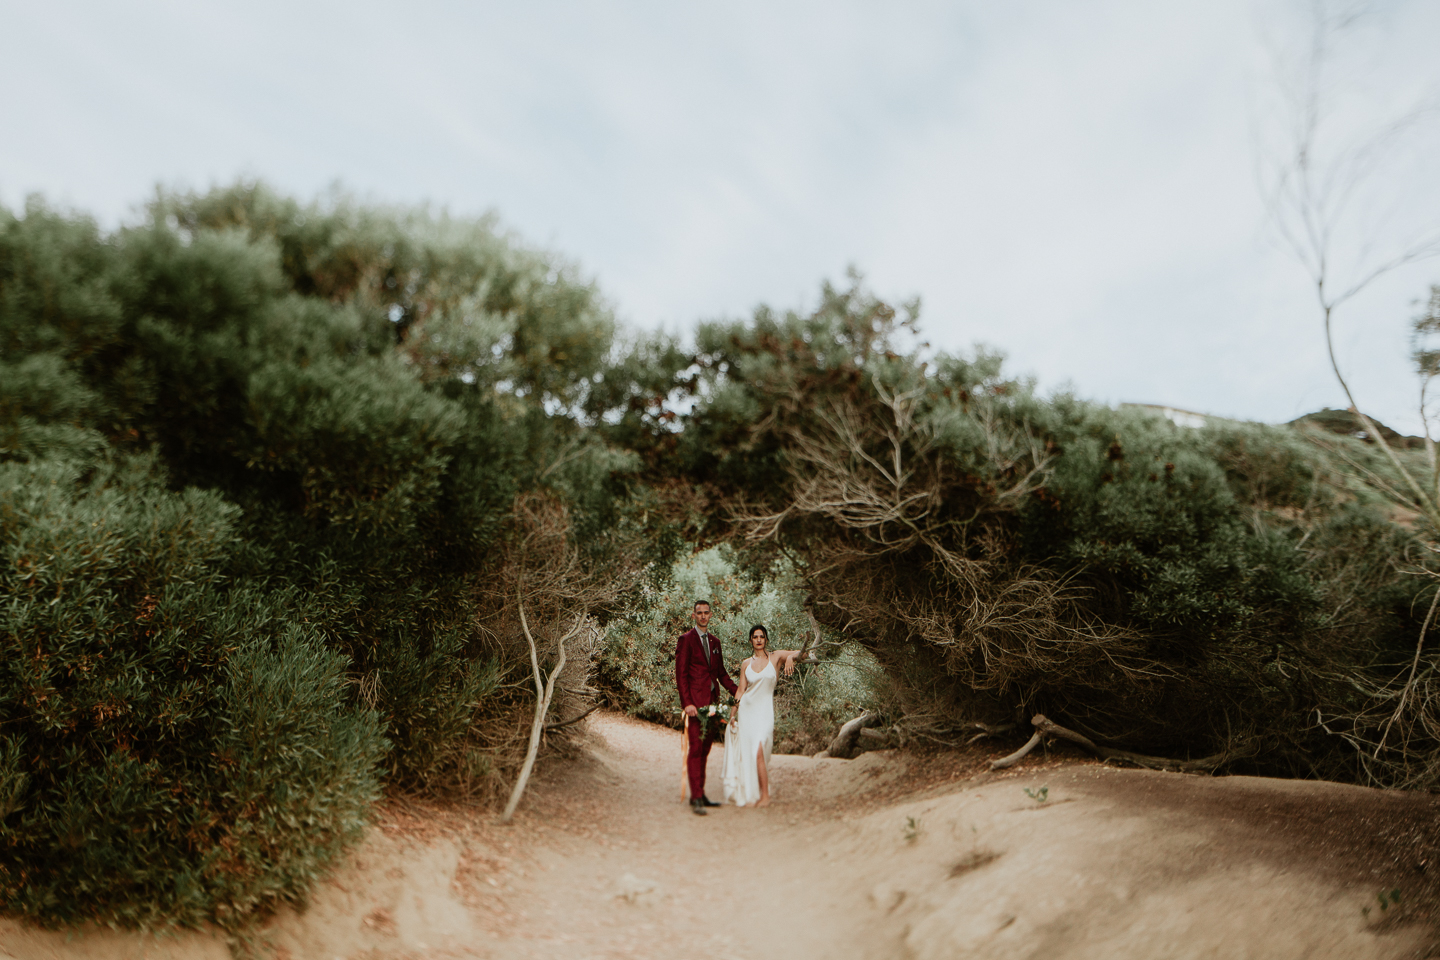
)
(259, 465)
(277, 478)
(172, 749)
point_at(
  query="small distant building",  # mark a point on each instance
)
(1177, 416)
(1347, 423)
(1343, 422)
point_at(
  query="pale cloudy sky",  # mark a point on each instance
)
(1073, 183)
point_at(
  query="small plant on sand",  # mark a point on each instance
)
(1040, 795)
(912, 829)
(1387, 898)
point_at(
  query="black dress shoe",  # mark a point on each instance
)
(697, 807)
(708, 802)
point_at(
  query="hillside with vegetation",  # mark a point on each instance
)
(290, 492)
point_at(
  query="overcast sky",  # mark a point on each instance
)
(1074, 184)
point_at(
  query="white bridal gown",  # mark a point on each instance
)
(754, 726)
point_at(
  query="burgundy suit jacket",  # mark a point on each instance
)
(698, 669)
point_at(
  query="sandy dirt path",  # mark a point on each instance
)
(886, 856)
(928, 858)
(623, 869)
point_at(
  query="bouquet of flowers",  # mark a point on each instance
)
(712, 719)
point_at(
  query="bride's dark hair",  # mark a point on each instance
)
(761, 628)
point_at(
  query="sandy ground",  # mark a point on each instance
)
(884, 856)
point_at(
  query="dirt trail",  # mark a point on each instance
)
(880, 857)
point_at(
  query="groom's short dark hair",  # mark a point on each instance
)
(698, 602)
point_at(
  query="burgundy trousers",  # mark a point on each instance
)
(699, 753)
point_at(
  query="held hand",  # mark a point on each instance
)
(691, 712)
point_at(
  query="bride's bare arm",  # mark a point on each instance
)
(740, 690)
(787, 657)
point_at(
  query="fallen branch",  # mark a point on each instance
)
(871, 739)
(1043, 725)
(1018, 755)
(566, 723)
(843, 746)
(987, 730)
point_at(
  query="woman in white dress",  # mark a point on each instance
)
(750, 734)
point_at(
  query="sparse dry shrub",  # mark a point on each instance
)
(899, 493)
(916, 554)
(544, 603)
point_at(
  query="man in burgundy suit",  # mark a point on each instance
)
(699, 666)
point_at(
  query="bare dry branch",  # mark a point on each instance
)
(543, 596)
(1018, 755)
(843, 746)
(544, 692)
(573, 720)
(1045, 726)
(898, 537)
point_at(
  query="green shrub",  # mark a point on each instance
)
(339, 405)
(175, 751)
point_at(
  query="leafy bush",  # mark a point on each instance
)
(173, 751)
(282, 443)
